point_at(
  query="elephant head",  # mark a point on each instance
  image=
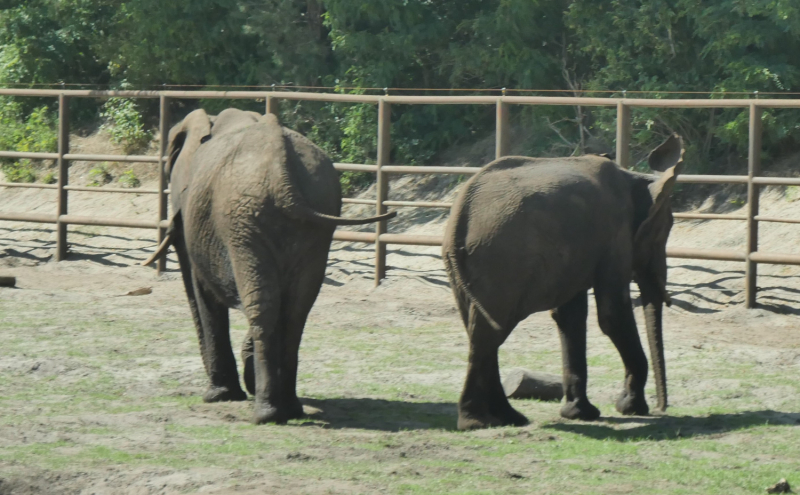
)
(652, 223)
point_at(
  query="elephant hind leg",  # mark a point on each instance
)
(216, 346)
(186, 274)
(571, 321)
(483, 402)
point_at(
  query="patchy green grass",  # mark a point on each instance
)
(85, 389)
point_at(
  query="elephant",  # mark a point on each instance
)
(534, 234)
(254, 207)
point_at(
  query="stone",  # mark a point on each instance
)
(524, 384)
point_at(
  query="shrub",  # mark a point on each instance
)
(34, 132)
(49, 178)
(129, 179)
(124, 124)
(100, 176)
(21, 171)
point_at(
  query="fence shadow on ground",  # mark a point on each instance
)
(381, 415)
(661, 428)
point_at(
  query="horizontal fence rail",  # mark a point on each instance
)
(381, 238)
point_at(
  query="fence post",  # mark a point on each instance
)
(272, 105)
(753, 196)
(63, 176)
(623, 135)
(501, 130)
(382, 182)
(163, 180)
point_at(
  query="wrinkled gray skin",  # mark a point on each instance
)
(255, 206)
(535, 234)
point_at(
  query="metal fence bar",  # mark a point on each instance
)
(502, 137)
(418, 204)
(355, 167)
(753, 196)
(63, 176)
(381, 238)
(706, 254)
(106, 222)
(775, 258)
(123, 190)
(29, 155)
(623, 135)
(24, 185)
(163, 130)
(713, 179)
(111, 158)
(413, 169)
(776, 181)
(761, 218)
(28, 217)
(708, 216)
(382, 189)
(271, 105)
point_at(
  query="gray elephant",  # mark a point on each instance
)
(255, 206)
(534, 234)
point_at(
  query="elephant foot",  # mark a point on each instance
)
(224, 394)
(468, 420)
(632, 405)
(267, 413)
(295, 409)
(580, 409)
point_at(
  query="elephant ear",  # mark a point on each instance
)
(667, 154)
(185, 138)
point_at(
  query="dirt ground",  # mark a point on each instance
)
(393, 383)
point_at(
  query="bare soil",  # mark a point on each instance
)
(381, 369)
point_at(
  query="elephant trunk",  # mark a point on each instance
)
(652, 302)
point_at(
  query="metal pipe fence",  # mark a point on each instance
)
(381, 238)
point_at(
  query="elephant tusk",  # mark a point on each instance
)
(159, 250)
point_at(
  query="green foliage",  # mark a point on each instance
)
(124, 124)
(32, 132)
(49, 178)
(100, 176)
(655, 46)
(21, 171)
(129, 179)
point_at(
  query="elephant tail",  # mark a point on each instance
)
(162, 248)
(306, 213)
(461, 284)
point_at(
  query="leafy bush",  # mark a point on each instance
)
(35, 132)
(124, 124)
(129, 179)
(100, 176)
(21, 171)
(49, 178)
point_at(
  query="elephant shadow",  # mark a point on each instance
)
(379, 414)
(660, 428)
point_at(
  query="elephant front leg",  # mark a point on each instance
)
(248, 370)
(571, 321)
(483, 402)
(615, 315)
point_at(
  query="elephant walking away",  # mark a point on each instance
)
(255, 207)
(534, 234)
